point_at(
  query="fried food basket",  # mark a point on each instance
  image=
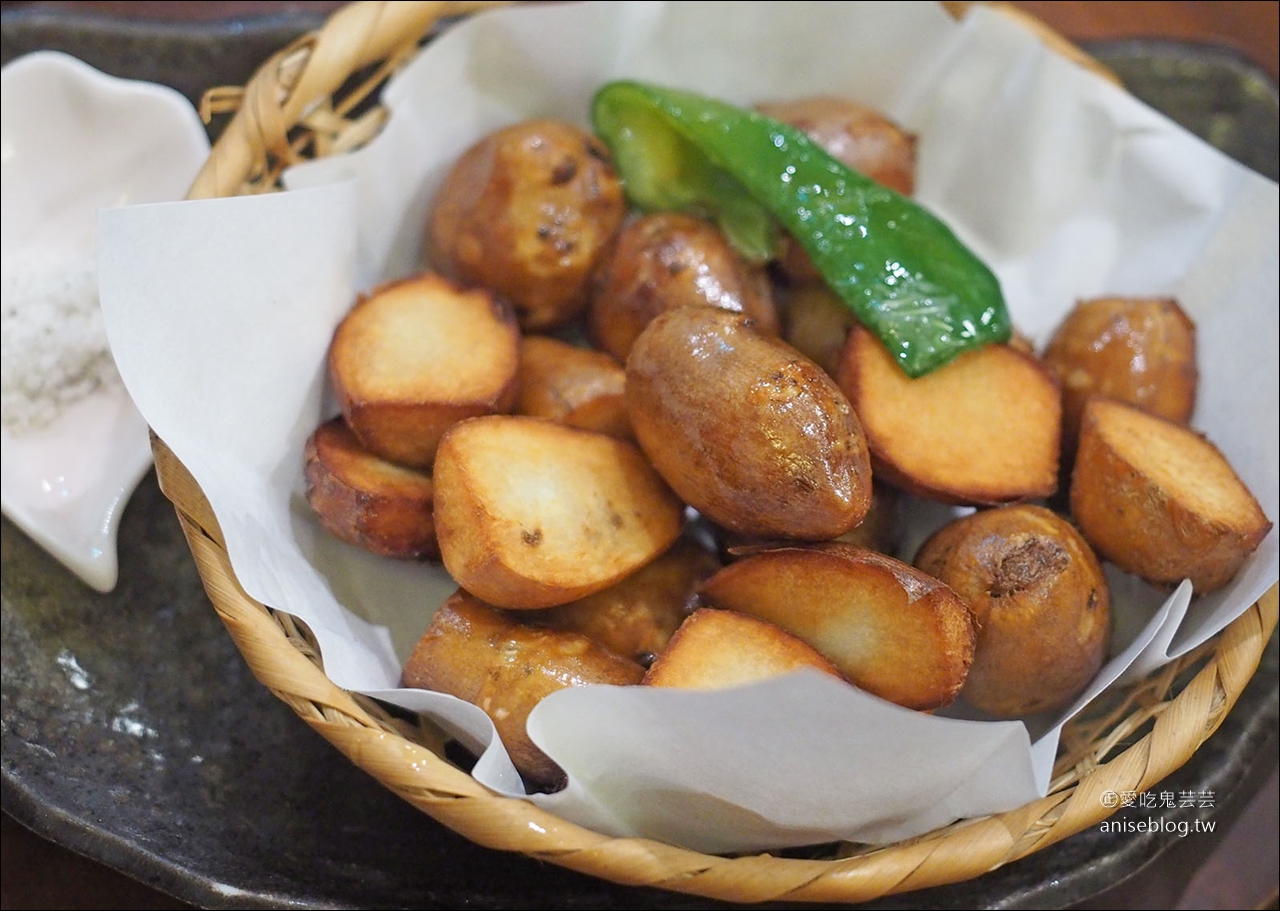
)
(318, 97)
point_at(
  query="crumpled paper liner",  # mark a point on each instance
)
(220, 312)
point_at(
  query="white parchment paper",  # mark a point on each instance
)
(219, 314)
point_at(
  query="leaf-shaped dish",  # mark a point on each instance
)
(75, 140)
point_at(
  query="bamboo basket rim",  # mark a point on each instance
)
(313, 99)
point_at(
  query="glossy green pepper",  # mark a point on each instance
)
(898, 267)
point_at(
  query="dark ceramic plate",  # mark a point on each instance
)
(133, 732)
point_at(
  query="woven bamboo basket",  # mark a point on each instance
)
(317, 97)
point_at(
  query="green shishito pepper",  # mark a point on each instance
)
(899, 268)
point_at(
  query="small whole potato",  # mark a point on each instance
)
(818, 323)
(576, 386)
(526, 212)
(745, 429)
(1039, 599)
(667, 260)
(488, 657)
(881, 530)
(1141, 351)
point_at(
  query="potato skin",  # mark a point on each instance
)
(817, 324)
(667, 260)
(1040, 601)
(365, 500)
(636, 617)
(1141, 351)
(489, 658)
(576, 386)
(880, 530)
(526, 212)
(746, 429)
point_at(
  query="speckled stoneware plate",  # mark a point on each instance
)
(133, 732)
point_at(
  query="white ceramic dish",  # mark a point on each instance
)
(75, 140)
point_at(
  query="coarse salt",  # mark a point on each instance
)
(54, 345)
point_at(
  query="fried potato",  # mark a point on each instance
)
(1159, 500)
(1041, 602)
(818, 324)
(880, 530)
(526, 212)
(717, 649)
(888, 627)
(667, 260)
(745, 428)
(415, 357)
(981, 430)
(576, 386)
(487, 657)
(636, 617)
(1141, 351)
(531, 513)
(365, 500)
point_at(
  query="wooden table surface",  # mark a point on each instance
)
(1234, 869)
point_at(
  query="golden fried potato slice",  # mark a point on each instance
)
(888, 627)
(1041, 602)
(1141, 351)
(981, 430)
(489, 658)
(527, 211)
(637, 616)
(532, 513)
(366, 500)
(415, 357)
(667, 260)
(717, 649)
(1159, 500)
(746, 429)
(573, 385)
